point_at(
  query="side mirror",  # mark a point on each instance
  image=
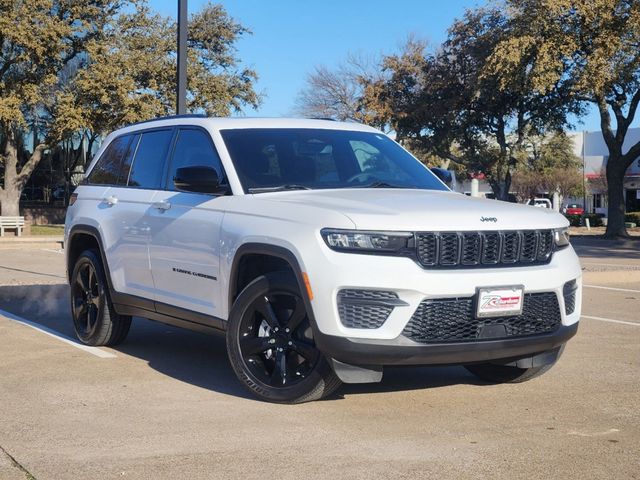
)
(198, 179)
(442, 174)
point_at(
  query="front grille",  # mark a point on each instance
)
(475, 249)
(569, 293)
(365, 308)
(453, 320)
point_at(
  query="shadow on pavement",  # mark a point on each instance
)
(196, 358)
(603, 248)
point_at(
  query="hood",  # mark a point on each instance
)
(421, 210)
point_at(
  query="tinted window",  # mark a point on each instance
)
(318, 158)
(146, 171)
(194, 148)
(110, 169)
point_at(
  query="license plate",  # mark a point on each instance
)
(499, 301)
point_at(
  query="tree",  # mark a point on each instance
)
(111, 68)
(547, 164)
(451, 100)
(337, 93)
(37, 39)
(592, 48)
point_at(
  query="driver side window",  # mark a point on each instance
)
(193, 148)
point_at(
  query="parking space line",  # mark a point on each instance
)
(52, 333)
(610, 320)
(612, 288)
(623, 265)
(59, 251)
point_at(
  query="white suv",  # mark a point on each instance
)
(324, 250)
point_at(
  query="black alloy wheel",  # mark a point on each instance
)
(276, 342)
(95, 321)
(86, 300)
(271, 346)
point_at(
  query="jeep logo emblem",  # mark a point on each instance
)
(488, 219)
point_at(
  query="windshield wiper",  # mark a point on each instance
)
(278, 188)
(381, 184)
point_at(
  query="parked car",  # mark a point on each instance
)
(540, 202)
(323, 250)
(574, 209)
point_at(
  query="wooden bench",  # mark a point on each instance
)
(12, 223)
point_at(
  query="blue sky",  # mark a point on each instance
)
(291, 37)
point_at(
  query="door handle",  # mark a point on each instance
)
(110, 200)
(162, 205)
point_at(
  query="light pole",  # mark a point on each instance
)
(181, 74)
(584, 181)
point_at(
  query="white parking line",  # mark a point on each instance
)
(624, 265)
(60, 251)
(612, 288)
(611, 320)
(52, 333)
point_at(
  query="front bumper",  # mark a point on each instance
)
(403, 351)
(414, 284)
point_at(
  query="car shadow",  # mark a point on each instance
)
(196, 358)
(592, 246)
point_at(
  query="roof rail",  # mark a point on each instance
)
(323, 118)
(170, 117)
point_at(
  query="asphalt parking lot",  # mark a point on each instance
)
(166, 404)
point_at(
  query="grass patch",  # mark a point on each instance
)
(47, 230)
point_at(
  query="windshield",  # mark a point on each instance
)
(271, 159)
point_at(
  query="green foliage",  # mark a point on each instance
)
(595, 219)
(633, 217)
(81, 68)
(547, 164)
(453, 103)
(129, 72)
(589, 48)
(574, 220)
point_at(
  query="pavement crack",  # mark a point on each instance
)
(17, 464)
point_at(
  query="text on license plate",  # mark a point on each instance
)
(499, 301)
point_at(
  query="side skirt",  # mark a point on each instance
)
(125, 304)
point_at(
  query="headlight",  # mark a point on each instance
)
(561, 237)
(364, 241)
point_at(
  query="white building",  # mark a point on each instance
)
(591, 148)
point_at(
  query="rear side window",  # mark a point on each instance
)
(110, 168)
(194, 148)
(146, 171)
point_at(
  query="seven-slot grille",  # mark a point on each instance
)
(446, 320)
(474, 249)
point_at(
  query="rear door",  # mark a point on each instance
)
(128, 202)
(184, 246)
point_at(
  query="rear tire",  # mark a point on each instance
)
(506, 374)
(95, 321)
(270, 343)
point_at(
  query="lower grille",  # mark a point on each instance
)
(453, 320)
(365, 308)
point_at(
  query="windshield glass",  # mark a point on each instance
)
(271, 159)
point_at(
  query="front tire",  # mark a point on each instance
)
(270, 343)
(95, 321)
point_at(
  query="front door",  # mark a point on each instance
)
(184, 247)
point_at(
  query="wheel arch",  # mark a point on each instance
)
(81, 238)
(265, 250)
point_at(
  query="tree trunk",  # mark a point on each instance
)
(14, 180)
(501, 188)
(10, 203)
(615, 190)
